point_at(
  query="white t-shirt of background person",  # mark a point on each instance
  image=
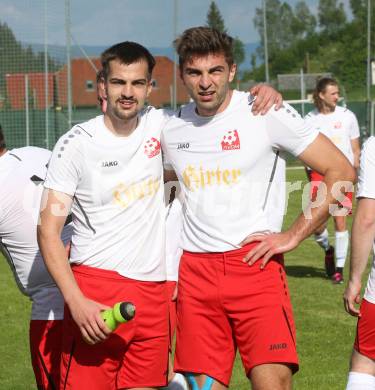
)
(173, 249)
(228, 166)
(340, 126)
(22, 173)
(366, 189)
(118, 211)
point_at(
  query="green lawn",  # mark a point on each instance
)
(325, 333)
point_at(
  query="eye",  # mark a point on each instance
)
(117, 82)
(192, 72)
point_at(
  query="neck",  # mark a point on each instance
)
(217, 110)
(327, 109)
(3, 151)
(120, 127)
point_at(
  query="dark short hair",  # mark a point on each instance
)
(320, 87)
(201, 41)
(127, 53)
(2, 139)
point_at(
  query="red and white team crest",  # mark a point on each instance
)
(337, 125)
(152, 147)
(231, 140)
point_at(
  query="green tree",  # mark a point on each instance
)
(15, 58)
(332, 17)
(280, 21)
(214, 18)
(238, 51)
(304, 21)
(359, 9)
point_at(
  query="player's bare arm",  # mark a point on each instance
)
(363, 233)
(356, 151)
(266, 98)
(86, 313)
(322, 156)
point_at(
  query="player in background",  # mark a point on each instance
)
(232, 288)
(100, 91)
(340, 125)
(22, 173)
(362, 365)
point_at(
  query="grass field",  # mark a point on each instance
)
(325, 333)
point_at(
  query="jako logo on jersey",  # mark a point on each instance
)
(152, 147)
(108, 164)
(337, 125)
(184, 145)
(274, 347)
(231, 141)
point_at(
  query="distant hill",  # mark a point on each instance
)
(58, 52)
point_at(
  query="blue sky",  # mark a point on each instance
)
(150, 22)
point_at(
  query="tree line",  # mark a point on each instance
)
(329, 41)
(17, 58)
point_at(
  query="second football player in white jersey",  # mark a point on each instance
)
(22, 173)
(226, 162)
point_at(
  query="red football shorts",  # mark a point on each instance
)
(365, 339)
(171, 285)
(45, 349)
(136, 353)
(315, 179)
(223, 304)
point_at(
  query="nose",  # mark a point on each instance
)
(205, 81)
(127, 91)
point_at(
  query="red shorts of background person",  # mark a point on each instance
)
(45, 349)
(365, 339)
(316, 178)
(223, 304)
(136, 353)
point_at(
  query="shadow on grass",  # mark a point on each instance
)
(303, 271)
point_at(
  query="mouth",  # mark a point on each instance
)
(126, 104)
(206, 96)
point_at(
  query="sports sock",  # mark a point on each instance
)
(322, 239)
(178, 383)
(341, 248)
(360, 381)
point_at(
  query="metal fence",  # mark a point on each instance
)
(36, 80)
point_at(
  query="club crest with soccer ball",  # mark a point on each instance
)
(231, 140)
(152, 147)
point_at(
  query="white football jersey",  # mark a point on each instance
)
(231, 172)
(22, 173)
(366, 189)
(117, 188)
(340, 126)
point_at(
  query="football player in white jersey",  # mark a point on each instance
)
(108, 171)
(340, 125)
(22, 173)
(362, 367)
(232, 289)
